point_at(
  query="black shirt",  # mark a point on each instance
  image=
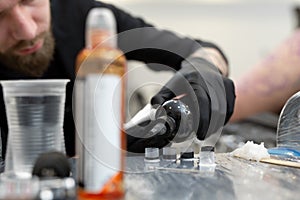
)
(143, 43)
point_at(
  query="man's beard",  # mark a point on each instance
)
(34, 64)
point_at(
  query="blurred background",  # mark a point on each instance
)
(246, 30)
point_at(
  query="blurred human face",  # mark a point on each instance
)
(26, 42)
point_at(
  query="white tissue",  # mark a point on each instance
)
(251, 151)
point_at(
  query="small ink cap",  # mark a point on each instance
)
(187, 154)
(208, 148)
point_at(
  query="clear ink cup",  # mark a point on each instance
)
(151, 159)
(187, 159)
(169, 154)
(207, 161)
(207, 155)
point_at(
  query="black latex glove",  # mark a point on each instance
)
(139, 137)
(209, 95)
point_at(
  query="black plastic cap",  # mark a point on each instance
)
(208, 148)
(52, 164)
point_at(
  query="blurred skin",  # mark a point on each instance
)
(270, 83)
(26, 42)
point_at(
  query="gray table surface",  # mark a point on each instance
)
(233, 178)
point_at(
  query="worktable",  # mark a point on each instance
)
(233, 178)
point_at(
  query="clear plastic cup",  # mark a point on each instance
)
(35, 113)
(12, 188)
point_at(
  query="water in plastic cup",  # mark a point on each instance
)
(35, 113)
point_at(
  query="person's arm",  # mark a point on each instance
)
(214, 56)
(269, 84)
(142, 41)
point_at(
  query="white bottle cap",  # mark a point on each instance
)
(101, 19)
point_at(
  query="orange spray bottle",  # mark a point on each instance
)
(99, 110)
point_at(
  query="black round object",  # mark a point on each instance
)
(52, 164)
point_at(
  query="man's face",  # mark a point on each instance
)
(26, 42)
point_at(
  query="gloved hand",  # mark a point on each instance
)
(209, 95)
